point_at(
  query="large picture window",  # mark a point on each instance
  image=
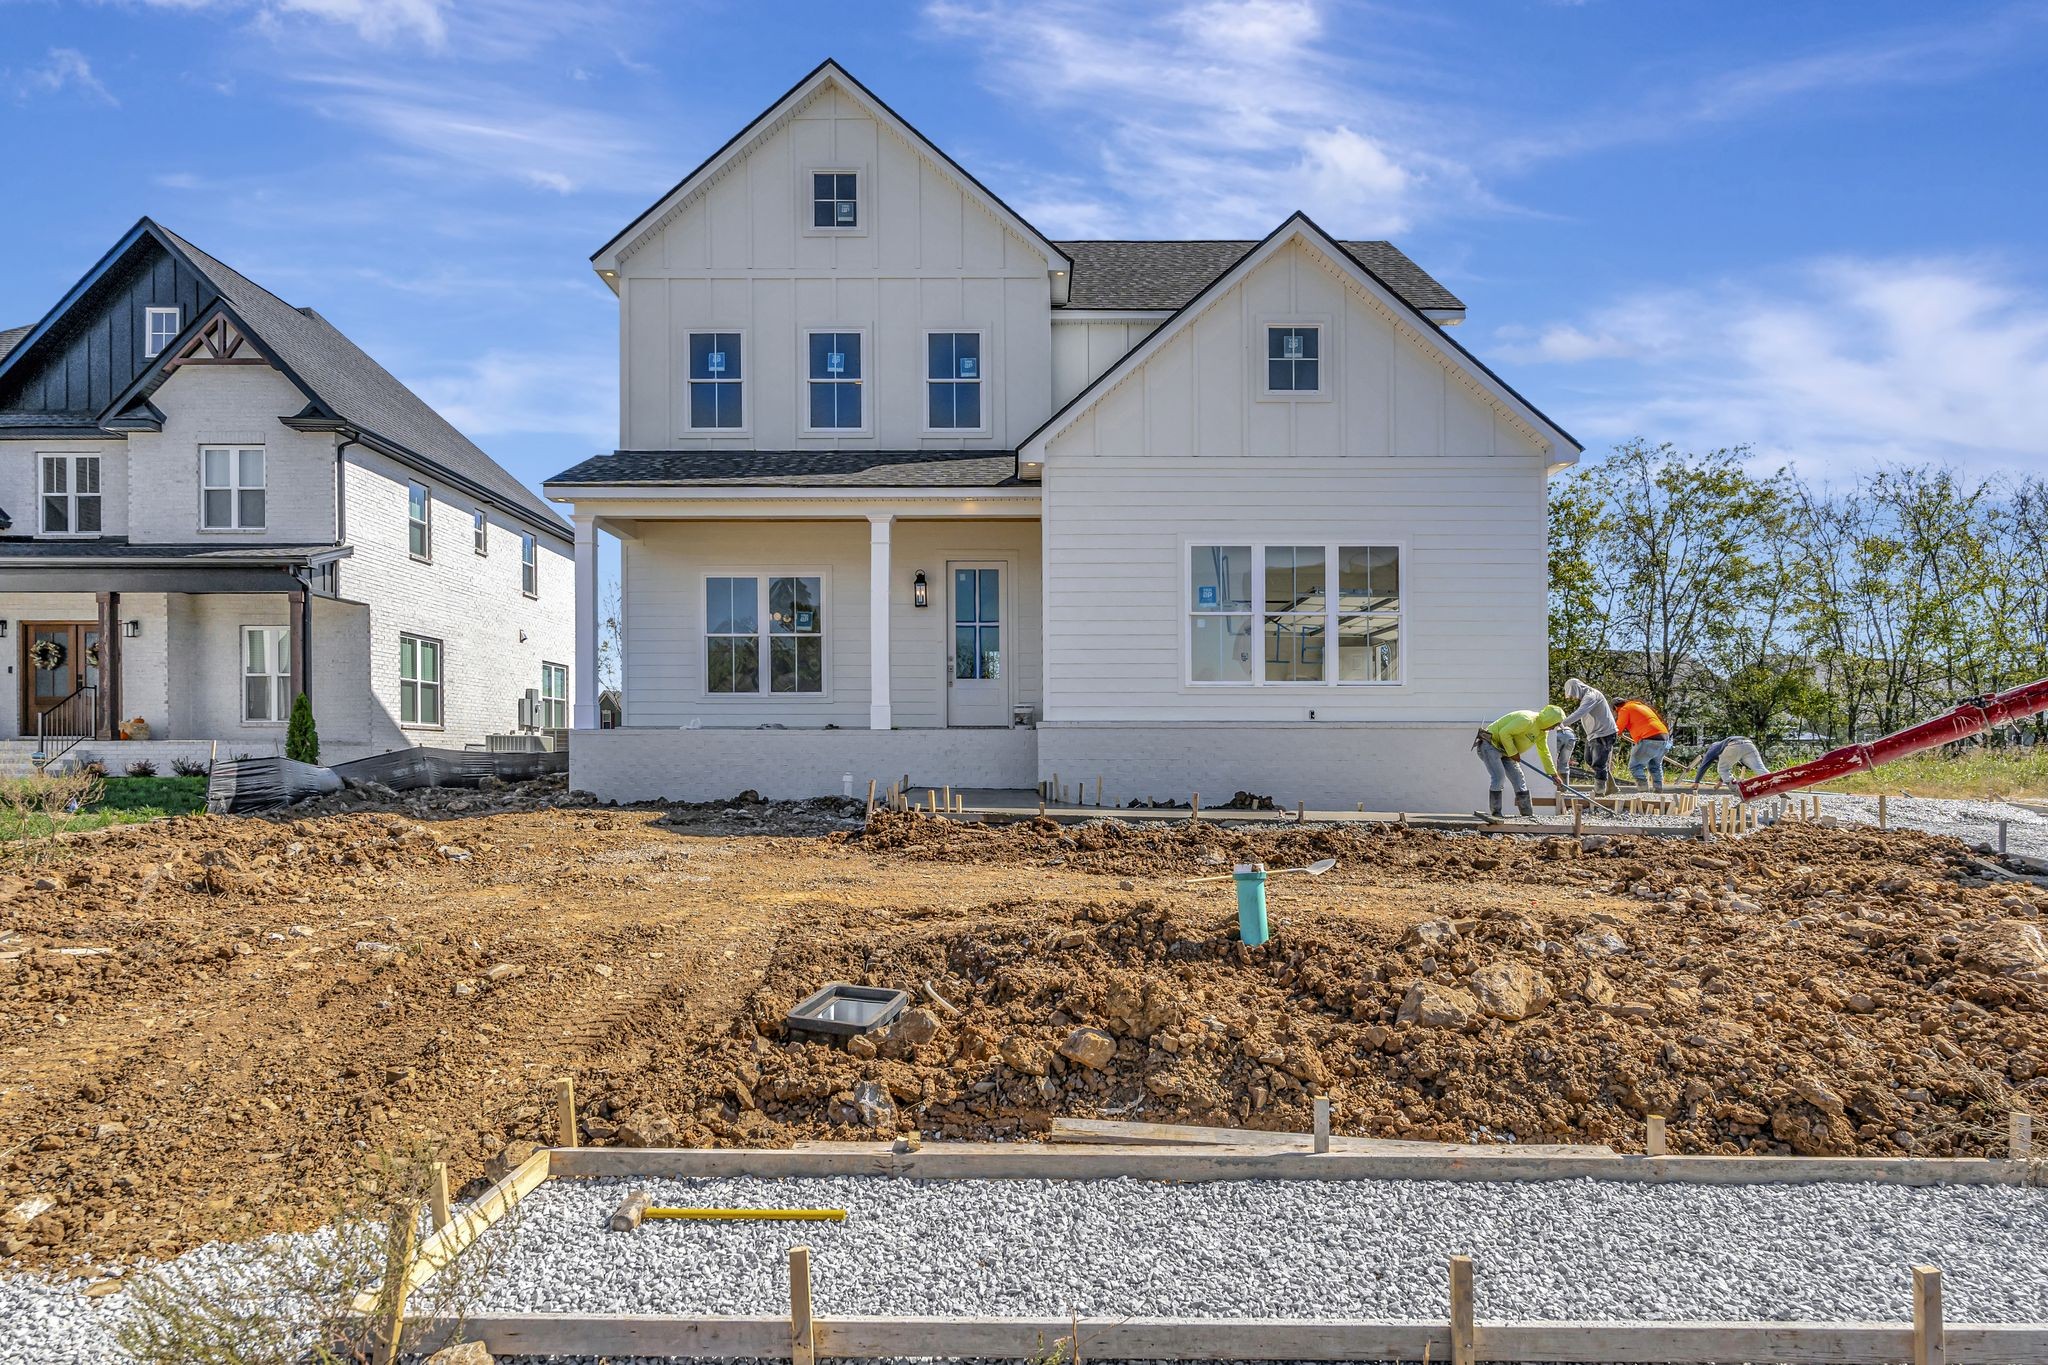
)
(717, 382)
(266, 674)
(834, 380)
(70, 498)
(419, 680)
(779, 652)
(231, 496)
(1325, 614)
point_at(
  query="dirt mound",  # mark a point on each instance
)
(207, 1025)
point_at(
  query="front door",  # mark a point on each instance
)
(45, 683)
(978, 690)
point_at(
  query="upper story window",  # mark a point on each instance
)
(835, 199)
(1294, 359)
(1296, 630)
(529, 564)
(717, 391)
(480, 531)
(419, 521)
(231, 488)
(953, 381)
(834, 382)
(71, 495)
(161, 325)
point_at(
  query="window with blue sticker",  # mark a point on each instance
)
(835, 381)
(1294, 360)
(835, 199)
(716, 382)
(953, 381)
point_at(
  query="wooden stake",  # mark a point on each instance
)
(1098, 791)
(2020, 1135)
(437, 1192)
(1464, 1346)
(1041, 805)
(1400, 818)
(565, 1112)
(1322, 1123)
(1057, 795)
(1881, 821)
(871, 798)
(1656, 1144)
(1195, 807)
(1929, 1348)
(1300, 811)
(400, 1242)
(1578, 818)
(803, 1333)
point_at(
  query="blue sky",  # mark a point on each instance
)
(1810, 228)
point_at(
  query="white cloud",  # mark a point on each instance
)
(375, 21)
(1841, 363)
(1209, 117)
(65, 68)
(530, 393)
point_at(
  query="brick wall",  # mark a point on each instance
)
(709, 765)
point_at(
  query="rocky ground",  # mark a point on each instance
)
(209, 1024)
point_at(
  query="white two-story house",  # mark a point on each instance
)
(211, 501)
(904, 487)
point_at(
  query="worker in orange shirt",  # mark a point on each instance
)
(1649, 740)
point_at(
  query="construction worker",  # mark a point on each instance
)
(1501, 745)
(1649, 740)
(1736, 751)
(1594, 714)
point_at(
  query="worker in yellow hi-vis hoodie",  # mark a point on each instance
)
(1501, 745)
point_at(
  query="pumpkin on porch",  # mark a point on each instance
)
(137, 728)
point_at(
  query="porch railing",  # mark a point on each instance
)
(63, 726)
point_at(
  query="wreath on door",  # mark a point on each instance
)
(48, 653)
(92, 655)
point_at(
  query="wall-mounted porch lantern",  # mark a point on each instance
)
(3, 629)
(130, 629)
(920, 593)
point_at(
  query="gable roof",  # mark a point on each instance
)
(828, 72)
(345, 389)
(1166, 274)
(1300, 227)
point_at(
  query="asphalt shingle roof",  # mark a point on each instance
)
(10, 337)
(1168, 274)
(122, 549)
(361, 391)
(798, 468)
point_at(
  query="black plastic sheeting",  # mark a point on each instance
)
(246, 784)
(251, 784)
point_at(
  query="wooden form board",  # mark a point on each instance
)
(1121, 1133)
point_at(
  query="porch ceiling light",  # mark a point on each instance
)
(920, 591)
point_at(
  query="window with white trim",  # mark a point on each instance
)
(480, 531)
(554, 696)
(231, 488)
(419, 680)
(953, 381)
(834, 381)
(266, 674)
(70, 498)
(1294, 359)
(529, 564)
(835, 199)
(781, 652)
(717, 382)
(1296, 630)
(419, 521)
(160, 328)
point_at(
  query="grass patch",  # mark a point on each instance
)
(37, 807)
(157, 795)
(1986, 774)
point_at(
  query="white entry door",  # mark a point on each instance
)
(978, 685)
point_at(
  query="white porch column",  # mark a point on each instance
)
(878, 619)
(584, 685)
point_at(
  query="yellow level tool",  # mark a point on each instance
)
(756, 1215)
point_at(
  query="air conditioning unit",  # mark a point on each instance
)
(516, 744)
(529, 709)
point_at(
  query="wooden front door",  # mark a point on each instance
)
(43, 688)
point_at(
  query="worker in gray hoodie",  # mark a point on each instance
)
(1594, 716)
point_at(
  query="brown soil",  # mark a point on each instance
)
(280, 1000)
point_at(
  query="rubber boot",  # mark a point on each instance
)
(1493, 805)
(1607, 787)
(1526, 804)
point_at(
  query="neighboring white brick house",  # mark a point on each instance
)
(899, 476)
(210, 497)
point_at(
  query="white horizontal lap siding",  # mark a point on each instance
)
(1183, 451)
(665, 565)
(230, 405)
(921, 655)
(741, 257)
(474, 604)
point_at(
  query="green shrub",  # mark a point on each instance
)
(142, 767)
(302, 741)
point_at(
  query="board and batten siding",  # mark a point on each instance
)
(739, 257)
(664, 565)
(1083, 349)
(1183, 451)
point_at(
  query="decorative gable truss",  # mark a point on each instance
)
(218, 341)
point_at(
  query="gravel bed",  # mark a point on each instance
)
(1293, 1248)
(1972, 821)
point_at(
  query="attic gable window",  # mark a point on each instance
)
(835, 199)
(1294, 359)
(161, 327)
